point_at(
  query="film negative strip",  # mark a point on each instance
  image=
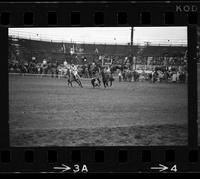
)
(99, 87)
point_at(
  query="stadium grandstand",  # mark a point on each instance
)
(27, 50)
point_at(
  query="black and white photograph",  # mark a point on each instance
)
(98, 86)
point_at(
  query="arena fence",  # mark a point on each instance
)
(59, 76)
(49, 75)
(42, 75)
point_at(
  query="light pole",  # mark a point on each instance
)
(132, 30)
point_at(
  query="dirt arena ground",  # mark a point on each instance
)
(45, 112)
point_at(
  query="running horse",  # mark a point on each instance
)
(72, 78)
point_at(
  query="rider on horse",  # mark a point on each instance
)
(72, 74)
(75, 71)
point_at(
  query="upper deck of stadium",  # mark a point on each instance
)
(60, 50)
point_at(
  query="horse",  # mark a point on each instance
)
(71, 78)
(107, 77)
(95, 82)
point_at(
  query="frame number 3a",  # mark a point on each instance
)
(78, 168)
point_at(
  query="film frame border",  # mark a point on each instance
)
(101, 159)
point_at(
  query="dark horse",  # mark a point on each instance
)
(106, 78)
(95, 82)
(71, 78)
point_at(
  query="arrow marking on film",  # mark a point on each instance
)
(63, 168)
(160, 168)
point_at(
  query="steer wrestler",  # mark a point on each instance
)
(96, 81)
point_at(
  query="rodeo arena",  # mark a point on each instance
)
(94, 94)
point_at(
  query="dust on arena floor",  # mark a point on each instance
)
(46, 112)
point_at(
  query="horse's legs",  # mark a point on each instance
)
(106, 83)
(79, 83)
(69, 82)
(99, 82)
